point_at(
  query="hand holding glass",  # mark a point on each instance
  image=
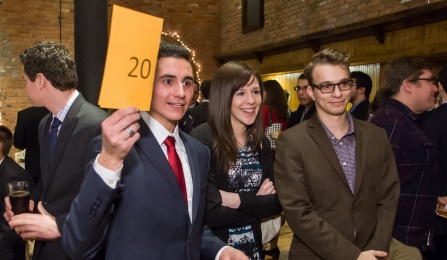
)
(19, 196)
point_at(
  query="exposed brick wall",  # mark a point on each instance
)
(287, 20)
(21, 24)
(197, 22)
(24, 22)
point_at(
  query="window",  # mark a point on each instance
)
(252, 15)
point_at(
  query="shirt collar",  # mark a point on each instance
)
(353, 107)
(63, 112)
(350, 126)
(160, 132)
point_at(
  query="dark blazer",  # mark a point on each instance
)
(199, 113)
(361, 111)
(252, 207)
(295, 117)
(25, 137)
(62, 178)
(434, 125)
(317, 202)
(146, 216)
(12, 246)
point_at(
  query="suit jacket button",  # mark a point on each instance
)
(45, 203)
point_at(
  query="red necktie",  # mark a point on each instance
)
(176, 164)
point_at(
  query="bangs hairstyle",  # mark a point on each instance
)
(327, 56)
(228, 79)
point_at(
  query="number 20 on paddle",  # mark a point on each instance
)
(139, 68)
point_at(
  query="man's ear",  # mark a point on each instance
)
(361, 90)
(310, 92)
(40, 80)
(407, 86)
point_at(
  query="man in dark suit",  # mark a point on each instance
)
(199, 113)
(306, 108)
(335, 176)
(12, 246)
(64, 135)
(25, 137)
(434, 125)
(360, 95)
(134, 202)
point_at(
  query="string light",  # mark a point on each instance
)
(176, 37)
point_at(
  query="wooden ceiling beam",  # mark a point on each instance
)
(376, 27)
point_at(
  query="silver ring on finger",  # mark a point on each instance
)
(130, 131)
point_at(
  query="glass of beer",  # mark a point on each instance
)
(19, 196)
(441, 210)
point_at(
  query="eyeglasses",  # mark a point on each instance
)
(327, 88)
(298, 88)
(433, 81)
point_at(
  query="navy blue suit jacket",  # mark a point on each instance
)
(146, 216)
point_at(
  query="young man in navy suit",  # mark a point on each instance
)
(361, 89)
(131, 205)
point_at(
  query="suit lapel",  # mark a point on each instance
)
(44, 136)
(195, 174)
(149, 147)
(318, 134)
(65, 133)
(360, 153)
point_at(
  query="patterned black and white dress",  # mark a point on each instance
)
(245, 176)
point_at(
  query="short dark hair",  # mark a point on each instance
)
(168, 50)
(53, 60)
(396, 71)
(302, 77)
(400, 69)
(362, 80)
(5, 139)
(205, 88)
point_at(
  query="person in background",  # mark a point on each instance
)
(361, 89)
(410, 89)
(434, 125)
(194, 100)
(335, 175)
(144, 192)
(240, 188)
(12, 246)
(64, 135)
(199, 113)
(306, 108)
(187, 123)
(26, 137)
(274, 112)
(287, 93)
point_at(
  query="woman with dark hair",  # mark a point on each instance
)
(274, 111)
(240, 188)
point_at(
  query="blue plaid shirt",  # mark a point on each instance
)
(416, 164)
